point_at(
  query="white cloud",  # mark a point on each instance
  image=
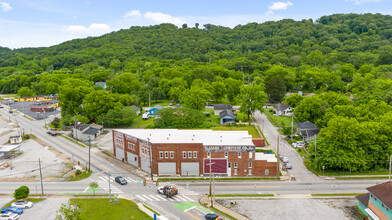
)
(92, 29)
(357, 2)
(163, 18)
(134, 13)
(5, 6)
(280, 6)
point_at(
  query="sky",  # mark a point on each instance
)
(42, 23)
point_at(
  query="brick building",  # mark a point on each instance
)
(192, 152)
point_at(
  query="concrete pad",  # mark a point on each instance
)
(295, 208)
(45, 209)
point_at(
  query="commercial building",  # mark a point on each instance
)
(171, 152)
(377, 204)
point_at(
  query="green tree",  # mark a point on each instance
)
(94, 186)
(21, 192)
(195, 98)
(253, 97)
(219, 90)
(310, 109)
(99, 102)
(68, 212)
(72, 92)
(179, 118)
(275, 88)
(118, 118)
(25, 92)
(157, 94)
(293, 100)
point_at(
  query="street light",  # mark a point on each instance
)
(212, 203)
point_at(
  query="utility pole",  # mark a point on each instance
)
(73, 166)
(213, 183)
(110, 189)
(212, 203)
(148, 142)
(277, 173)
(149, 100)
(292, 126)
(89, 146)
(40, 175)
(315, 151)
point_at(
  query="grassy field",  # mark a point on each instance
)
(103, 209)
(163, 103)
(140, 123)
(251, 130)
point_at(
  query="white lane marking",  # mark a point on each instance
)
(153, 197)
(186, 197)
(183, 199)
(130, 179)
(149, 199)
(86, 189)
(189, 208)
(140, 197)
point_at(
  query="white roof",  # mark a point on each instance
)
(206, 137)
(267, 157)
(8, 148)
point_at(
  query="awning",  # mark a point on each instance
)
(371, 214)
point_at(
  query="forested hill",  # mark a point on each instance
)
(352, 38)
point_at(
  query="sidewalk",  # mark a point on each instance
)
(206, 200)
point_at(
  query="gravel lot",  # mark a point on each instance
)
(22, 165)
(105, 141)
(320, 209)
(24, 107)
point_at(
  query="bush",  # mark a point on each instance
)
(21, 192)
(78, 172)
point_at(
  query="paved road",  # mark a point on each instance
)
(299, 171)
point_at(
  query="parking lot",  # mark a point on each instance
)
(24, 107)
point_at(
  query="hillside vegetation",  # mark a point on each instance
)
(344, 58)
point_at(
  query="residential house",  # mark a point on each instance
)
(153, 110)
(16, 139)
(137, 109)
(307, 130)
(227, 116)
(218, 108)
(377, 204)
(282, 109)
(86, 132)
(103, 84)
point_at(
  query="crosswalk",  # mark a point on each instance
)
(128, 179)
(158, 197)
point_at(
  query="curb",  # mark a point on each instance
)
(204, 199)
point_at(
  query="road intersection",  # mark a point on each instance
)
(185, 205)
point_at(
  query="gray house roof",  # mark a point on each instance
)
(222, 106)
(281, 107)
(135, 107)
(227, 112)
(158, 107)
(307, 125)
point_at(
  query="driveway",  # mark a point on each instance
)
(299, 171)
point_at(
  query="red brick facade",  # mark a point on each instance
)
(238, 163)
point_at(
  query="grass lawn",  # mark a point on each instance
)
(33, 200)
(140, 123)
(212, 120)
(103, 209)
(81, 176)
(251, 130)
(163, 103)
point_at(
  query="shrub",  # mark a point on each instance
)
(21, 192)
(78, 172)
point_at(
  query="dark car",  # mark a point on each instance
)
(120, 180)
(212, 217)
(12, 209)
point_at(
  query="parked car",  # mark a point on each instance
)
(146, 115)
(12, 209)
(120, 180)
(9, 216)
(211, 216)
(10, 111)
(22, 204)
(287, 165)
(285, 160)
(299, 144)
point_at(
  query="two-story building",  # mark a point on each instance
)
(377, 204)
(192, 152)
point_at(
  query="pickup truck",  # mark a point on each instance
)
(52, 131)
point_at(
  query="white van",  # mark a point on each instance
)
(146, 115)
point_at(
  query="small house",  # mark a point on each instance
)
(154, 109)
(307, 130)
(218, 108)
(103, 84)
(377, 203)
(227, 116)
(15, 139)
(86, 132)
(137, 109)
(282, 109)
